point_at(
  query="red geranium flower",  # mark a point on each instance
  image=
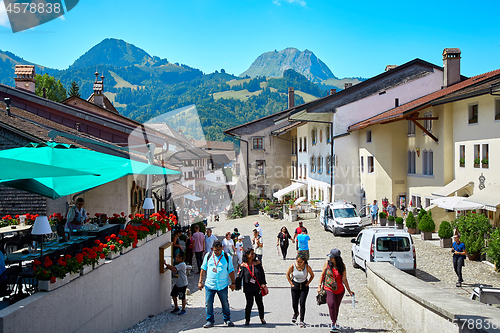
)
(102, 256)
(52, 279)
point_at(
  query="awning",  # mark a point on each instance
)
(192, 197)
(209, 183)
(456, 203)
(288, 189)
(219, 159)
(489, 197)
(452, 187)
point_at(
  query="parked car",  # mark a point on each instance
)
(341, 218)
(384, 244)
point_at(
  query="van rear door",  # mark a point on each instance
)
(396, 249)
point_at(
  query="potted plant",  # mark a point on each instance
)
(494, 248)
(74, 266)
(390, 220)
(112, 247)
(445, 233)
(399, 222)
(411, 224)
(462, 162)
(427, 226)
(476, 162)
(484, 163)
(472, 229)
(382, 217)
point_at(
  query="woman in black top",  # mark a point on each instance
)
(251, 287)
(283, 238)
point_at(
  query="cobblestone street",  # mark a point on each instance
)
(434, 265)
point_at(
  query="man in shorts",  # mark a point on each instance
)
(179, 290)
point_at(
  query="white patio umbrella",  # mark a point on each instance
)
(456, 203)
(299, 200)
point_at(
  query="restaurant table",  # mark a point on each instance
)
(96, 232)
(9, 230)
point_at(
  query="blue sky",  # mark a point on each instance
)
(354, 38)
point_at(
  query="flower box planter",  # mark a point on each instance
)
(71, 276)
(426, 235)
(112, 255)
(412, 231)
(462, 165)
(445, 242)
(159, 233)
(86, 269)
(45, 285)
(125, 249)
(150, 237)
(141, 242)
(383, 221)
(476, 165)
(400, 225)
(100, 262)
(485, 166)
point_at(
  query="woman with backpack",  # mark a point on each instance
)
(253, 278)
(297, 277)
(333, 279)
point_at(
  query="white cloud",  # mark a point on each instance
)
(4, 19)
(298, 2)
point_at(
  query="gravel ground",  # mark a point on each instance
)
(434, 265)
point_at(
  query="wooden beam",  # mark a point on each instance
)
(425, 118)
(423, 129)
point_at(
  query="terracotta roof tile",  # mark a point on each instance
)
(399, 112)
(24, 70)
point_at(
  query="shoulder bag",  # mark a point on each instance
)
(330, 281)
(263, 290)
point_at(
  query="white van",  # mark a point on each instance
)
(384, 244)
(340, 217)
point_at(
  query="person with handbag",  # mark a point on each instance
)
(283, 241)
(333, 279)
(253, 278)
(297, 277)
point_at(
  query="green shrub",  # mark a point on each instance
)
(390, 218)
(426, 224)
(484, 161)
(472, 228)
(236, 211)
(399, 220)
(410, 221)
(477, 160)
(382, 215)
(202, 227)
(267, 209)
(462, 161)
(445, 230)
(494, 248)
(421, 214)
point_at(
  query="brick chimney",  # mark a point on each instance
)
(347, 85)
(99, 90)
(291, 97)
(333, 91)
(25, 77)
(451, 65)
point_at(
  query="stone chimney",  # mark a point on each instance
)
(25, 77)
(389, 67)
(347, 85)
(291, 97)
(98, 90)
(333, 91)
(451, 65)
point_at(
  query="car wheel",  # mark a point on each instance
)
(354, 264)
(335, 232)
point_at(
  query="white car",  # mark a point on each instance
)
(340, 217)
(384, 244)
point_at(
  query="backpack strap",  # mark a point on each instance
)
(225, 256)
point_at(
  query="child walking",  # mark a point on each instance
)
(239, 250)
(181, 283)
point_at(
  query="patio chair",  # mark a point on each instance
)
(8, 281)
(10, 246)
(115, 230)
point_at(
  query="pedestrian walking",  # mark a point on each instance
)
(219, 271)
(303, 243)
(333, 279)
(297, 232)
(297, 275)
(176, 242)
(374, 212)
(257, 245)
(392, 210)
(209, 240)
(235, 235)
(181, 283)
(239, 250)
(256, 224)
(253, 278)
(459, 253)
(283, 241)
(189, 247)
(199, 246)
(228, 245)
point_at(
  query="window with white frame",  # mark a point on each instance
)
(473, 113)
(477, 156)
(424, 162)
(305, 144)
(292, 175)
(411, 128)
(313, 160)
(320, 164)
(428, 123)
(416, 201)
(258, 143)
(304, 172)
(411, 162)
(427, 202)
(300, 171)
(362, 164)
(369, 136)
(313, 136)
(497, 109)
(371, 164)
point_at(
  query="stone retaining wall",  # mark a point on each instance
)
(418, 306)
(111, 298)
